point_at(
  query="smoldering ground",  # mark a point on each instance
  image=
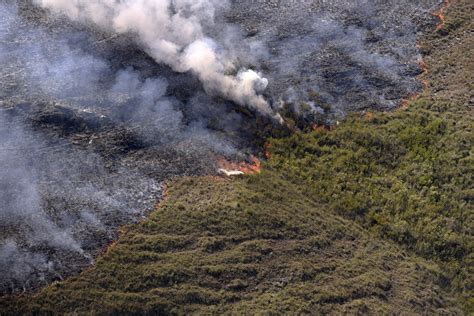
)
(99, 107)
(59, 205)
(339, 56)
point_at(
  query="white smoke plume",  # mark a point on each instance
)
(173, 33)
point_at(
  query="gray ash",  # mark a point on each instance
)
(334, 57)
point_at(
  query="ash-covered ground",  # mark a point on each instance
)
(339, 56)
(94, 117)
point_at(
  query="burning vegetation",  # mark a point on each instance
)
(441, 14)
(98, 110)
(230, 168)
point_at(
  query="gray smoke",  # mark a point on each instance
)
(19, 187)
(339, 56)
(42, 65)
(160, 117)
(138, 122)
(174, 33)
(61, 203)
(54, 202)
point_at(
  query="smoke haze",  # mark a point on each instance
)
(173, 33)
(101, 101)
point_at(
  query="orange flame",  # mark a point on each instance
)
(252, 167)
(107, 249)
(441, 14)
(424, 72)
(406, 102)
(369, 115)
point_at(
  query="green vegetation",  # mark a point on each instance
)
(256, 244)
(374, 216)
(405, 176)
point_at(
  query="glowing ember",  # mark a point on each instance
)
(424, 69)
(369, 115)
(441, 14)
(239, 168)
(267, 152)
(406, 102)
(423, 66)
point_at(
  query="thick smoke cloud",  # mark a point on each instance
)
(174, 33)
(160, 118)
(42, 65)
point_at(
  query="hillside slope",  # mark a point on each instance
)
(374, 216)
(250, 245)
